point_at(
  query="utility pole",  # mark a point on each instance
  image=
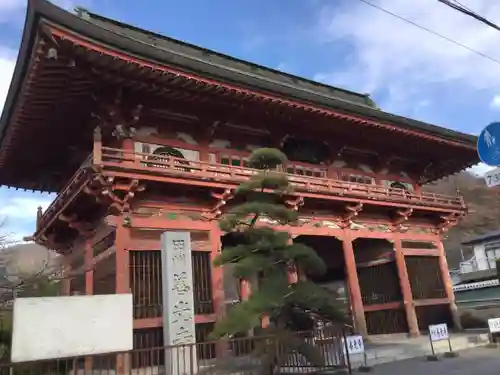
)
(462, 9)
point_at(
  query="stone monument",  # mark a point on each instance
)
(178, 303)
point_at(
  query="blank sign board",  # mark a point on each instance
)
(58, 327)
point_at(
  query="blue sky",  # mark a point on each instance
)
(341, 42)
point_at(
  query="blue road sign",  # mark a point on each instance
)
(488, 145)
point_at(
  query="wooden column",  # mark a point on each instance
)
(88, 260)
(89, 267)
(404, 282)
(122, 279)
(353, 284)
(218, 295)
(122, 258)
(448, 285)
(128, 146)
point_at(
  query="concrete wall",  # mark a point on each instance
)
(480, 255)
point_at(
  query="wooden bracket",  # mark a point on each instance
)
(402, 216)
(84, 228)
(129, 190)
(383, 163)
(448, 221)
(295, 204)
(216, 211)
(118, 118)
(107, 192)
(351, 212)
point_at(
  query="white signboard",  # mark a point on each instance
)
(58, 327)
(438, 332)
(494, 325)
(355, 344)
(178, 302)
(492, 177)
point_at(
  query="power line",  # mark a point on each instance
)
(431, 31)
(463, 9)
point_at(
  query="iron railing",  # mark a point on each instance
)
(257, 355)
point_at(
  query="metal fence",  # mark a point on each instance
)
(302, 353)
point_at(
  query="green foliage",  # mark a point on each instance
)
(267, 158)
(264, 256)
(497, 262)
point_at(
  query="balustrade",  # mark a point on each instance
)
(114, 158)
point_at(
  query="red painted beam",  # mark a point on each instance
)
(384, 306)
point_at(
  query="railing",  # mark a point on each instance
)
(54, 206)
(469, 266)
(249, 356)
(199, 170)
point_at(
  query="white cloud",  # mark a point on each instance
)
(7, 63)
(407, 62)
(495, 102)
(18, 213)
(480, 169)
(24, 208)
(9, 6)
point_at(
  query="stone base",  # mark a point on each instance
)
(365, 369)
(432, 358)
(450, 355)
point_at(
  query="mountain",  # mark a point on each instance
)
(483, 217)
(26, 259)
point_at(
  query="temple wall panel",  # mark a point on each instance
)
(366, 250)
(425, 276)
(146, 277)
(379, 284)
(382, 322)
(434, 314)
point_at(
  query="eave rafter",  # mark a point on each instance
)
(223, 88)
(227, 87)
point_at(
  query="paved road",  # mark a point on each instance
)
(479, 361)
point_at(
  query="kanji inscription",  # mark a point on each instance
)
(178, 301)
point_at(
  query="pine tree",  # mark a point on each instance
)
(264, 256)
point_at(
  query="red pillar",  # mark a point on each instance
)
(122, 280)
(122, 259)
(448, 285)
(353, 284)
(218, 295)
(89, 267)
(404, 282)
(88, 261)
